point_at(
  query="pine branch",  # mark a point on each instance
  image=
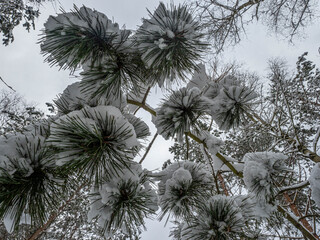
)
(189, 192)
(118, 74)
(181, 112)
(295, 222)
(223, 185)
(82, 36)
(287, 215)
(144, 106)
(122, 210)
(170, 42)
(297, 213)
(96, 149)
(206, 224)
(35, 185)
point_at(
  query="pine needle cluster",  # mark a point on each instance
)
(230, 106)
(122, 203)
(94, 141)
(180, 113)
(261, 170)
(30, 182)
(182, 186)
(171, 42)
(217, 219)
(81, 36)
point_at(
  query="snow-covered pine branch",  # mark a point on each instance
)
(94, 138)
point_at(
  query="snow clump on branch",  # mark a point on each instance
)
(229, 99)
(180, 113)
(27, 171)
(217, 218)
(75, 97)
(123, 202)
(84, 35)
(99, 140)
(213, 143)
(260, 170)
(199, 79)
(170, 42)
(182, 185)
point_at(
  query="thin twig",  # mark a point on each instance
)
(209, 159)
(301, 148)
(210, 124)
(148, 148)
(187, 144)
(7, 84)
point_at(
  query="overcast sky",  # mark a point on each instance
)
(22, 66)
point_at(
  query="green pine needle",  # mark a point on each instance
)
(95, 152)
(34, 194)
(71, 43)
(170, 42)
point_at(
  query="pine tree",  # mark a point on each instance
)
(15, 12)
(90, 144)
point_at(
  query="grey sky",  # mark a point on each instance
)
(22, 67)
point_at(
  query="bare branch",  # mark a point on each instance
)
(7, 84)
(148, 148)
